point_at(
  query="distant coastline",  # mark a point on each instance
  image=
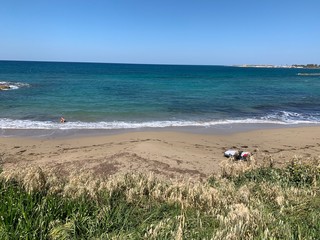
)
(306, 66)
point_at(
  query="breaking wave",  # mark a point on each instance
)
(308, 74)
(283, 118)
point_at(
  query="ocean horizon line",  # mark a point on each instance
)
(124, 63)
(245, 65)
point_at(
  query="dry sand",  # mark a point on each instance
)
(169, 154)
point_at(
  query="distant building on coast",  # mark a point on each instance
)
(311, 66)
(306, 66)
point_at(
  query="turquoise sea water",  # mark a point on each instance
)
(125, 96)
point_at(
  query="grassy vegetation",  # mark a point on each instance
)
(248, 201)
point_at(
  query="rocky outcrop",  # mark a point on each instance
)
(4, 87)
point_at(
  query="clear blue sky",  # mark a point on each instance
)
(217, 32)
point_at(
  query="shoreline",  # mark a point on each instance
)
(219, 129)
(165, 153)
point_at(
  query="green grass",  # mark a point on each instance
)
(260, 203)
(301, 212)
(41, 216)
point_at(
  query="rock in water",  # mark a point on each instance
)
(4, 87)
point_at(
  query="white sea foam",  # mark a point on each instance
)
(292, 117)
(308, 74)
(283, 118)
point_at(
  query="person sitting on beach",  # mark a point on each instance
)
(62, 120)
(237, 154)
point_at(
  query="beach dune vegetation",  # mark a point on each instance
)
(246, 201)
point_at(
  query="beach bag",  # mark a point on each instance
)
(245, 155)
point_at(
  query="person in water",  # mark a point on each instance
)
(62, 120)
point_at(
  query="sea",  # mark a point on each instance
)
(104, 97)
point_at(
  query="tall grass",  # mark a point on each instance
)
(246, 201)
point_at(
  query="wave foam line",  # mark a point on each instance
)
(28, 124)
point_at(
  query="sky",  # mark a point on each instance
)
(201, 32)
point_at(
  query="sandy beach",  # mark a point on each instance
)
(167, 154)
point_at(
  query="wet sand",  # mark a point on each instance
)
(169, 154)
